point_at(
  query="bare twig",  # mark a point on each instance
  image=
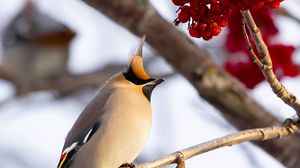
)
(265, 63)
(254, 57)
(260, 134)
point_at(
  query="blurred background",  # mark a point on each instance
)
(54, 56)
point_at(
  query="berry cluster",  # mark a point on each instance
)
(206, 17)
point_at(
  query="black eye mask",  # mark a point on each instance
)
(130, 76)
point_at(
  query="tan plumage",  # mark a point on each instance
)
(114, 126)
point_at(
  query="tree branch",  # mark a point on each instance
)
(260, 134)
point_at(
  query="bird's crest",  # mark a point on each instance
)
(136, 62)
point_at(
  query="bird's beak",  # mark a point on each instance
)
(158, 81)
(155, 82)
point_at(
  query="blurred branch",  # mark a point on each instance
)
(284, 12)
(17, 79)
(66, 83)
(259, 134)
(265, 63)
(139, 17)
(63, 85)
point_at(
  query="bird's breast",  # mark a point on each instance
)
(125, 128)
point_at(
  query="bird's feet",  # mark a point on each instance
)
(127, 165)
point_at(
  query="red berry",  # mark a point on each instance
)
(194, 13)
(222, 22)
(213, 25)
(215, 9)
(202, 10)
(194, 32)
(258, 4)
(225, 9)
(179, 2)
(207, 35)
(216, 31)
(274, 3)
(183, 16)
(201, 26)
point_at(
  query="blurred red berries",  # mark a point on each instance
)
(263, 19)
(241, 66)
(239, 63)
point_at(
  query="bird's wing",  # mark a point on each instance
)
(84, 127)
(69, 153)
(88, 118)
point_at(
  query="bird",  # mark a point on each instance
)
(113, 128)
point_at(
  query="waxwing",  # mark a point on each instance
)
(113, 128)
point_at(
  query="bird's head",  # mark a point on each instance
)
(137, 75)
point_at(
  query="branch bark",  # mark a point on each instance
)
(260, 134)
(139, 17)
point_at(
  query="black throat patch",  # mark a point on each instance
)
(147, 90)
(130, 76)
